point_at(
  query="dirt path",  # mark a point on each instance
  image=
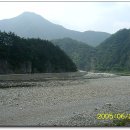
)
(63, 102)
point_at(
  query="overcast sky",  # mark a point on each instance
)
(80, 16)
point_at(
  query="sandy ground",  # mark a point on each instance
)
(74, 102)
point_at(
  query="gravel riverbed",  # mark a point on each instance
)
(74, 102)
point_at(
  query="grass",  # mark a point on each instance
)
(117, 123)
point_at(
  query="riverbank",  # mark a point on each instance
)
(63, 102)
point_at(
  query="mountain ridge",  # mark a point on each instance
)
(82, 54)
(20, 55)
(23, 26)
(113, 53)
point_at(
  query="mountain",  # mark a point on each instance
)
(82, 54)
(33, 26)
(114, 52)
(20, 55)
(93, 38)
(111, 55)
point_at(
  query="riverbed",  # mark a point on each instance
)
(59, 102)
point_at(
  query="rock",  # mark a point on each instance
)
(108, 104)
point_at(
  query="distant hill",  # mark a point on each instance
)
(114, 52)
(82, 54)
(34, 26)
(111, 55)
(20, 55)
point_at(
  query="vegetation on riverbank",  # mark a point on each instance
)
(20, 55)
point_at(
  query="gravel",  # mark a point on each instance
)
(64, 102)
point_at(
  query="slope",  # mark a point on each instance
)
(33, 26)
(19, 55)
(114, 52)
(82, 54)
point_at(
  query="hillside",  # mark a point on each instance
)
(82, 54)
(114, 52)
(111, 55)
(20, 55)
(33, 26)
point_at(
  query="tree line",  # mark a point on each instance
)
(41, 55)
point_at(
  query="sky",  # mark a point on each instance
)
(80, 16)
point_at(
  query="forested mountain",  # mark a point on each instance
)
(34, 26)
(20, 55)
(114, 52)
(111, 55)
(36, 55)
(82, 54)
(93, 38)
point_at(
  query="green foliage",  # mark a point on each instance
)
(82, 54)
(114, 52)
(42, 54)
(113, 55)
(117, 123)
